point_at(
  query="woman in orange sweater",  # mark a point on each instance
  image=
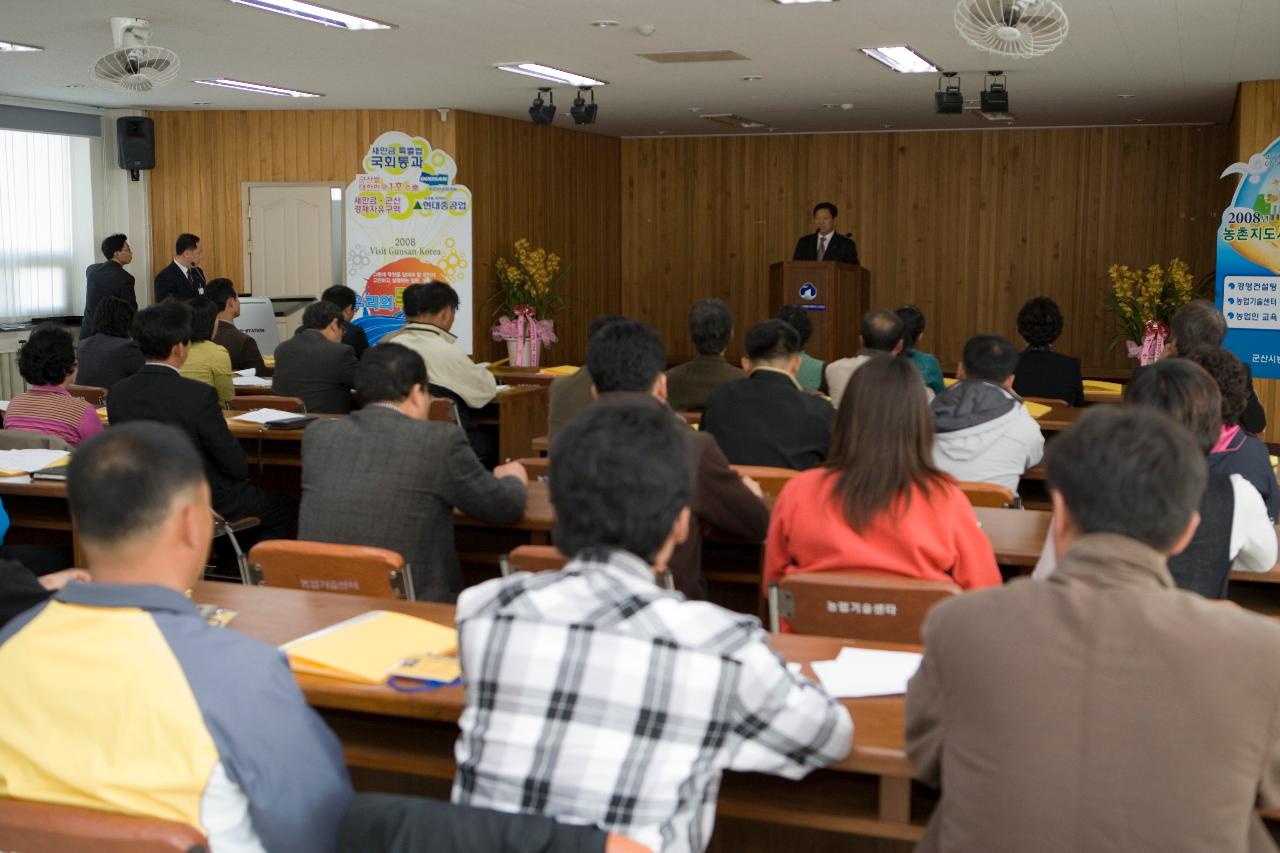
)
(878, 504)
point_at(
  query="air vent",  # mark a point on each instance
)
(694, 56)
(735, 121)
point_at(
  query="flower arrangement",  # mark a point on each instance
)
(1145, 301)
(527, 292)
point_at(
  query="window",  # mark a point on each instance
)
(46, 222)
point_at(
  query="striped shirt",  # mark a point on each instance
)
(51, 410)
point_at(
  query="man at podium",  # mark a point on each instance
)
(825, 244)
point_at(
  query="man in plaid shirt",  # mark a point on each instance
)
(593, 695)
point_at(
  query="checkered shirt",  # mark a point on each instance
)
(595, 697)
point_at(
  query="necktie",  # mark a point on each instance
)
(822, 246)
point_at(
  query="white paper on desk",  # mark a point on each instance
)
(21, 478)
(266, 416)
(29, 459)
(248, 371)
(251, 381)
(4, 405)
(502, 389)
(856, 673)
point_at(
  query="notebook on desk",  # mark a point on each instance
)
(374, 647)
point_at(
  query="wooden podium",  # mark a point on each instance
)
(835, 295)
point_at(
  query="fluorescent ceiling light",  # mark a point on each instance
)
(261, 89)
(315, 14)
(901, 58)
(555, 75)
(14, 47)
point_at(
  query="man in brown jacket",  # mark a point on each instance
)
(690, 384)
(569, 395)
(1102, 709)
(627, 357)
(242, 348)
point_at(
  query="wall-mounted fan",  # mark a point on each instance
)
(134, 66)
(1019, 29)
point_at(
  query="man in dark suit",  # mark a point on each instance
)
(825, 244)
(766, 419)
(158, 392)
(352, 335)
(315, 365)
(242, 348)
(388, 477)
(109, 278)
(183, 278)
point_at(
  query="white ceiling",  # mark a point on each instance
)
(1180, 59)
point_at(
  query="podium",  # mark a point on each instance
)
(835, 296)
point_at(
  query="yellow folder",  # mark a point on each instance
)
(561, 370)
(1103, 387)
(948, 381)
(1037, 410)
(374, 646)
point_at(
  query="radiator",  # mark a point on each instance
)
(11, 381)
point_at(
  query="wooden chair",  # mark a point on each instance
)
(33, 827)
(870, 606)
(443, 409)
(545, 558)
(988, 494)
(1049, 401)
(267, 401)
(25, 439)
(537, 466)
(349, 569)
(90, 393)
(771, 480)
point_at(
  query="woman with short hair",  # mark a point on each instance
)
(1041, 372)
(48, 362)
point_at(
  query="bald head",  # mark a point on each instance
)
(881, 330)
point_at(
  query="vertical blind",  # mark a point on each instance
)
(46, 222)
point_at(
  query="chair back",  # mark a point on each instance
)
(249, 402)
(1048, 401)
(443, 409)
(33, 827)
(987, 494)
(771, 480)
(25, 439)
(532, 558)
(93, 394)
(326, 567)
(871, 606)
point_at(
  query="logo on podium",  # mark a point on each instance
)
(808, 292)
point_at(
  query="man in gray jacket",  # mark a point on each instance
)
(386, 476)
(983, 432)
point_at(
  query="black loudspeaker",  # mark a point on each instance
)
(136, 143)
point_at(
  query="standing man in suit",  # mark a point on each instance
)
(386, 476)
(825, 244)
(158, 392)
(315, 365)
(183, 277)
(109, 278)
(242, 348)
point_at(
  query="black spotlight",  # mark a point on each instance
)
(995, 97)
(541, 112)
(582, 112)
(949, 99)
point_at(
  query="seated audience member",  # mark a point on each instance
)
(109, 354)
(810, 373)
(569, 395)
(1200, 325)
(643, 761)
(430, 311)
(766, 419)
(710, 329)
(158, 392)
(169, 717)
(878, 504)
(912, 329)
(626, 358)
(386, 476)
(48, 362)
(21, 589)
(1104, 709)
(881, 334)
(1040, 371)
(242, 348)
(1235, 451)
(315, 365)
(983, 432)
(208, 362)
(352, 335)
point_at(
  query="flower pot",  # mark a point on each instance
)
(521, 354)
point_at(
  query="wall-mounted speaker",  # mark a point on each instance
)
(136, 143)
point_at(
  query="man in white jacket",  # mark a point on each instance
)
(983, 432)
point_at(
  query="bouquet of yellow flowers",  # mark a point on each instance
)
(527, 291)
(1145, 301)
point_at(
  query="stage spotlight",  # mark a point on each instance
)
(582, 112)
(540, 111)
(949, 99)
(995, 97)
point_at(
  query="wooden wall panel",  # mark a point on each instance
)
(966, 225)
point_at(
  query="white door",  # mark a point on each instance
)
(290, 245)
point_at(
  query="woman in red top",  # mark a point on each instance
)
(878, 504)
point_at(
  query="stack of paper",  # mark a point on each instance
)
(4, 405)
(1037, 410)
(266, 416)
(16, 463)
(375, 646)
(248, 371)
(858, 673)
(250, 381)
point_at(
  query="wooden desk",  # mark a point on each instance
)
(867, 793)
(520, 415)
(1094, 397)
(253, 390)
(1058, 419)
(511, 376)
